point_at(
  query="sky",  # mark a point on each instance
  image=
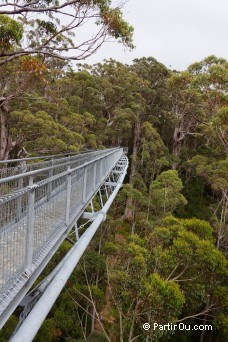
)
(175, 32)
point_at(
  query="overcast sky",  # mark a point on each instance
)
(175, 32)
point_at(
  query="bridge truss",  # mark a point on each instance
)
(41, 204)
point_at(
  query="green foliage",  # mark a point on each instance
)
(97, 337)
(216, 174)
(11, 32)
(154, 154)
(117, 27)
(40, 132)
(165, 192)
(164, 297)
(162, 277)
(199, 227)
(9, 327)
(195, 192)
(66, 323)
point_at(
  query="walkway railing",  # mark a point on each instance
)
(10, 168)
(38, 208)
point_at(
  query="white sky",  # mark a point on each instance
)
(175, 32)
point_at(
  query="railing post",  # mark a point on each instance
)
(91, 205)
(49, 187)
(101, 199)
(19, 200)
(95, 175)
(84, 186)
(76, 231)
(101, 167)
(30, 224)
(68, 195)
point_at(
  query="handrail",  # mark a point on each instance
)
(35, 172)
(6, 161)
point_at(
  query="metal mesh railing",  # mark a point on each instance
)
(33, 214)
(32, 164)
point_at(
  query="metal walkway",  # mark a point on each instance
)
(41, 201)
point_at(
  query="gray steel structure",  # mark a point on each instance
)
(39, 208)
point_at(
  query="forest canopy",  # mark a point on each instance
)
(161, 254)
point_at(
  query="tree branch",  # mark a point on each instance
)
(19, 9)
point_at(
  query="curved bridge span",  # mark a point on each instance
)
(43, 201)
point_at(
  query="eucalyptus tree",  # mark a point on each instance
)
(162, 277)
(124, 110)
(165, 193)
(16, 79)
(42, 31)
(215, 173)
(153, 154)
(39, 133)
(53, 28)
(152, 91)
(211, 79)
(185, 112)
(156, 95)
(220, 126)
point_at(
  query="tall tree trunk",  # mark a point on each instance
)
(121, 327)
(203, 331)
(176, 146)
(128, 214)
(94, 311)
(223, 139)
(133, 322)
(204, 321)
(223, 220)
(5, 142)
(96, 283)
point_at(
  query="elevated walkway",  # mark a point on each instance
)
(41, 201)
